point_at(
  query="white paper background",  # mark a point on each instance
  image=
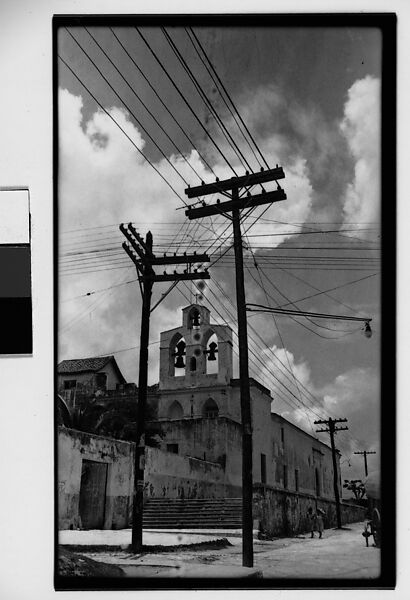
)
(14, 217)
(26, 384)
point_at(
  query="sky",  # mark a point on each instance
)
(311, 98)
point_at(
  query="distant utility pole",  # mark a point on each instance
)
(145, 260)
(365, 453)
(332, 430)
(230, 188)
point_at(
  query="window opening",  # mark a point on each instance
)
(195, 318)
(175, 411)
(178, 358)
(211, 410)
(70, 384)
(212, 361)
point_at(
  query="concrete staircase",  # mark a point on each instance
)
(212, 513)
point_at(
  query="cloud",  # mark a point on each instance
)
(354, 395)
(104, 180)
(361, 127)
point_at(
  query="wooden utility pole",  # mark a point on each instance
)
(332, 430)
(365, 453)
(144, 260)
(234, 206)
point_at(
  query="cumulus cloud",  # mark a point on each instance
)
(353, 394)
(361, 127)
(104, 180)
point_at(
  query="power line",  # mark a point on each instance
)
(144, 105)
(185, 100)
(121, 128)
(228, 95)
(206, 101)
(162, 102)
(128, 108)
(190, 36)
(99, 290)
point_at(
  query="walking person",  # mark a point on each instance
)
(315, 521)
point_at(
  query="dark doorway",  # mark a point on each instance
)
(92, 494)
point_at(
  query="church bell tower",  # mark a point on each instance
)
(199, 353)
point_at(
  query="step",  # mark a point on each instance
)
(195, 513)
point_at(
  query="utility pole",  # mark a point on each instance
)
(144, 259)
(234, 206)
(365, 453)
(332, 430)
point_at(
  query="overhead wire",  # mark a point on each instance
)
(242, 159)
(145, 107)
(185, 101)
(129, 110)
(163, 103)
(228, 96)
(121, 128)
(278, 330)
(218, 87)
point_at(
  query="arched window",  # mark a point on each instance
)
(210, 410)
(175, 410)
(212, 361)
(177, 354)
(194, 318)
(192, 364)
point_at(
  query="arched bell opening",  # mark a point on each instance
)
(175, 411)
(210, 409)
(177, 358)
(212, 360)
(194, 318)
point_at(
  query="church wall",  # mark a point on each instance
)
(294, 450)
(262, 434)
(216, 440)
(192, 401)
(169, 475)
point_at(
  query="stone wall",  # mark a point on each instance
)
(168, 475)
(284, 513)
(214, 440)
(76, 446)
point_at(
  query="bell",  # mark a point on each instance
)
(195, 319)
(212, 350)
(179, 363)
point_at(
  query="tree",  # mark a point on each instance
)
(356, 486)
(110, 417)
